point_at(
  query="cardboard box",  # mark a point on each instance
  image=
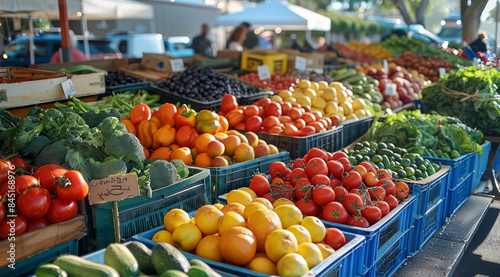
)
(229, 54)
(315, 61)
(275, 61)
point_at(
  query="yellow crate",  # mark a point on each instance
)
(275, 61)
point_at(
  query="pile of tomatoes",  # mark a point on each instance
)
(277, 83)
(326, 185)
(35, 201)
(283, 118)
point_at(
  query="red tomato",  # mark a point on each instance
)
(299, 123)
(270, 121)
(371, 179)
(307, 131)
(345, 162)
(302, 189)
(384, 207)
(269, 197)
(316, 166)
(358, 222)
(340, 193)
(402, 190)
(372, 214)
(286, 107)
(392, 201)
(254, 123)
(339, 154)
(19, 223)
(295, 113)
(377, 193)
(277, 169)
(19, 162)
(264, 102)
(47, 175)
(352, 180)
(307, 207)
(228, 103)
(259, 184)
(335, 169)
(334, 182)
(290, 130)
(273, 108)
(276, 130)
(334, 238)
(308, 117)
(139, 113)
(318, 126)
(37, 224)
(367, 165)
(297, 174)
(301, 163)
(323, 195)
(285, 119)
(34, 203)
(352, 203)
(251, 110)
(388, 185)
(361, 170)
(23, 182)
(335, 212)
(316, 153)
(335, 120)
(5, 168)
(75, 188)
(61, 210)
(384, 174)
(320, 179)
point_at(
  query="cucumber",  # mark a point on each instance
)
(78, 267)
(50, 270)
(120, 258)
(385, 151)
(143, 256)
(207, 268)
(173, 273)
(166, 256)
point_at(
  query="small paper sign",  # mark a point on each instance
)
(386, 66)
(177, 65)
(300, 63)
(68, 88)
(390, 89)
(442, 71)
(263, 71)
(113, 188)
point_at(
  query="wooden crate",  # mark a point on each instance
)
(108, 65)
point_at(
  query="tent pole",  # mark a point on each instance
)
(85, 31)
(65, 40)
(32, 44)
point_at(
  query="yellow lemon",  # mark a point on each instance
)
(322, 84)
(326, 250)
(239, 196)
(264, 201)
(252, 207)
(297, 94)
(315, 227)
(300, 233)
(280, 243)
(311, 253)
(329, 94)
(234, 207)
(276, 98)
(341, 95)
(347, 108)
(207, 218)
(262, 265)
(292, 265)
(358, 103)
(192, 220)
(282, 201)
(250, 191)
(314, 86)
(175, 218)
(208, 248)
(219, 206)
(304, 100)
(291, 100)
(186, 237)
(332, 108)
(319, 103)
(311, 93)
(304, 83)
(163, 236)
(285, 94)
(289, 215)
(230, 219)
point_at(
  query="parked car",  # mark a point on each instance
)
(133, 45)
(416, 31)
(100, 49)
(452, 31)
(179, 47)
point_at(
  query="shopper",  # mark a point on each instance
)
(202, 44)
(478, 44)
(237, 38)
(251, 40)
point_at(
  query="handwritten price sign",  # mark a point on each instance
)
(113, 188)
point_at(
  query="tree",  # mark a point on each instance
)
(412, 11)
(471, 11)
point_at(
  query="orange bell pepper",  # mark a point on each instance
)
(165, 135)
(224, 124)
(130, 126)
(185, 116)
(186, 136)
(144, 133)
(166, 114)
(154, 125)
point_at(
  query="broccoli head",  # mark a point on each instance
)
(107, 168)
(35, 113)
(33, 148)
(93, 119)
(162, 174)
(72, 128)
(54, 153)
(27, 129)
(111, 125)
(124, 146)
(52, 119)
(181, 168)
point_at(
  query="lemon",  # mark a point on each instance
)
(329, 94)
(289, 215)
(322, 84)
(319, 103)
(234, 207)
(279, 243)
(230, 219)
(292, 265)
(285, 94)
(239, 196)
(301, 233)
(264, 201)
(297, 94)
(282, 201)
(304, 100)
(304, 83)
(163, 236)
(186, 237)
(175, 218)
(262, 265)
(358, 103)
(311, 253)
(347, 108)
(276, 98)
(360, 113)
(207, 218)
(315, 227)
(326, 250)
(250, 191)
(219, 206)
(311, 93)
(208, 248)
(252, 207)
(291, 100)
(314, 86)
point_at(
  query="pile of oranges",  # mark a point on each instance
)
(251, 232)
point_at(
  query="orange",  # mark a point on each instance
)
(207, 218)
(289, 215)
(203, 159)
(300, 233)
(264, 201)
(326, 250)
(234, 207)
(311, 253)
(291, 265)
(315, 227)
(239, 196)
(229, 220)
(252, 207)
(219, 206)
(186, 237)
(202, 141)
(279, 243)
(174, 218)
(183, 154)
(282, 201)
(163, 236)
(208, 248)
(262, 265)
(250, 191)
(238, 245)
(262, 223)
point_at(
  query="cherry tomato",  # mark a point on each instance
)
(19, 162)
(23, 182)
(47, 175)
(18, 222)
(34, 203)
(335, 212)
(358, 222)
(307, 207)
(352, 203)
(372, 214)
(259, 184)
(139, 113)
(384, 207)
(323, 195)
(392, 201)
(75, 188)
(334, 238)
(335, 169)
(61, 210)
(37, 224)
(352, 180)
(316, 166)
(340, 193)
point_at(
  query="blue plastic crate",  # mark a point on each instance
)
(141, 213)
(342, 263)
(383, 234)
(392, 259)
(27, 266)
(227, 178)
(425, 226)
(431, 192)
(457, 196)
(480, 163)
(298, 147)
(354, 130)
(461, 168)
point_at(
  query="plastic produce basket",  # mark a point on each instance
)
(457, 196)
(140, 213)
(27, 266)
(425, 227)
(429, 191)
(480, 163)
(132, 87)
(461, 168)
(227, 178)
(382, 235)
(354, 130)
(342, 263)
(330, 141)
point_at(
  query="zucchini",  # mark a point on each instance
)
(50, 270)
(143, 256)
(206, 268)
(165, 256)
(79, 267)
(173, 273)
(120, 258)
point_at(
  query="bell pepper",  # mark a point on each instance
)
(207, 122)
(154, 125)
(228, 103)
(165, 135)
(235, 117)
(144, 133)
(130, 126)
(166, 114)
(185, 116)
(224, 124)
(186, 136)
(140, 113)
